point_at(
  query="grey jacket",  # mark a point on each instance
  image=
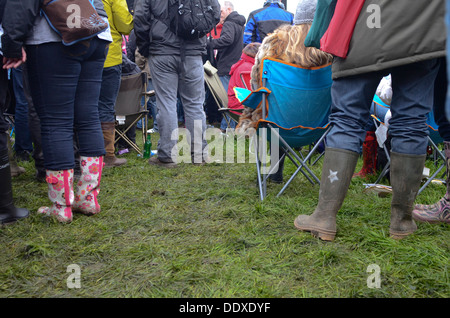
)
(153, 36)
(410, 31)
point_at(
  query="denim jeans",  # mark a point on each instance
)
(108, 94)
(65, 85)
(22, 133)
(413, 87)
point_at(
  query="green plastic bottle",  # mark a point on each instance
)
(148, 147)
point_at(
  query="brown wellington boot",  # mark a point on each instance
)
(337, 172)
(406, 175)
(109, 136)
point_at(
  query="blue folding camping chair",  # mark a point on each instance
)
(295, 104)
(379, 110)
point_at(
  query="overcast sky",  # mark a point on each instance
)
(244, 7)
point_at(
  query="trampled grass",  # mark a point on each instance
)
(202, 231)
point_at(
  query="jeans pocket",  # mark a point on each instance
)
(78, 49)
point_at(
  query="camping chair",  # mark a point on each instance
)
(220, 94)
(295, 105)
(379, 110)
(129, 109)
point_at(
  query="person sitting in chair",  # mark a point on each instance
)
(286, 43)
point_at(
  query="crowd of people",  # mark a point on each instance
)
(64, 95)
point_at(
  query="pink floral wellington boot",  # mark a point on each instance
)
(60, 193)
(88, 186)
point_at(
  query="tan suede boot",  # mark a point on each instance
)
(109, 136)
(337, 172)
(406, 175)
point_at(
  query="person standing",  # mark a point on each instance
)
(229, 46)
(176, 66)
(263, 21)
(413, 67)
(9, 213)
(121, 23)
(65, 86)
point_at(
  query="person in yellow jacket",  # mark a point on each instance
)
(121, 23)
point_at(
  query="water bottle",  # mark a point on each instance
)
(148, 147)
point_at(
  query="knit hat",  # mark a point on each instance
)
(305, 11)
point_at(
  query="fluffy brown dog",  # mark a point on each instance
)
(287, 44)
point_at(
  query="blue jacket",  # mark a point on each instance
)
(264, 21)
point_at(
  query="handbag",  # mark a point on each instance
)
(322, 17)
(73, 20)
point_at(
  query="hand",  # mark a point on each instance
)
(9, 62)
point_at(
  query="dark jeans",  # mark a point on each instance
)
(22, 133)
(65, 85)
(108, 94)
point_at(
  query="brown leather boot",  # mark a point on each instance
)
(109, 136)
(337, 172)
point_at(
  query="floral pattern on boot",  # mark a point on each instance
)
(60, 193)
(88, 186)
(434, 213)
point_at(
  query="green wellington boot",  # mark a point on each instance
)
(337, 172)
(406, 175)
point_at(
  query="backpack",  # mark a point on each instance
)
(192, 19)
(73, 20)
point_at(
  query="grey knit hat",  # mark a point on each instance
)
(305, 11)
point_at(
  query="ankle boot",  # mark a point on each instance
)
(60, 193)
(406, 175)
(88, 186)
(110, 159)
(8, 212)
(439, 211)
(337, 171)
(369, 156)
(14, 167)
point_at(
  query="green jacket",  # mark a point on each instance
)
(409, 31)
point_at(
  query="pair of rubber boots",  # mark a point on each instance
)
(337, 172)
(61, 190)
(9, 213)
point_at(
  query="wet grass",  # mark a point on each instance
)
(201, 231)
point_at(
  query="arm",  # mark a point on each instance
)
(123, 20)
(17, 25)
(226, 37)
(142, 23)
(250, 30)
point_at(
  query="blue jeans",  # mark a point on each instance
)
(413, 87)
(65, 85)
(22, 133)
(108, 94)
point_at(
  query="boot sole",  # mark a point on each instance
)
(398, 235)
(322, 234)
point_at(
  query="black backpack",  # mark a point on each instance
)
(192, 19)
